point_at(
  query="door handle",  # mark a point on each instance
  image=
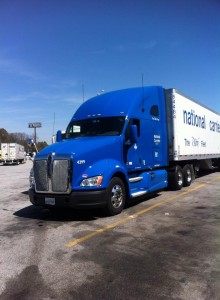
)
(152, 175)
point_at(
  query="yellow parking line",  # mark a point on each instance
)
(115, 224)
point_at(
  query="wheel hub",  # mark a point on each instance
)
(116, 196)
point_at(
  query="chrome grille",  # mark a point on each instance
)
(52, 175)
(60, 175)
(41, 175)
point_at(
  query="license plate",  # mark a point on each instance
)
(50, 201)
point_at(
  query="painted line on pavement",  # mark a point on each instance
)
(141, 212)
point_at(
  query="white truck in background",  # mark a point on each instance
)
(12, 153)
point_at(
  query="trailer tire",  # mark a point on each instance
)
(116, 197)
(218, 163)
(176, 178)
(187, 175)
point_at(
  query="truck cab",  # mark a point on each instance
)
(114, 150)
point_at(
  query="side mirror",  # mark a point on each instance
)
(59, 136)
(133, 134)
(30, 142)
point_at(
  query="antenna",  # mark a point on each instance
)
(83, 92)
(53, 122)
(142, 79)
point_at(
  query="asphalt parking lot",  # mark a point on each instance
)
(165, 247)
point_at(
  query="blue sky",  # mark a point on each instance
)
(49, 49)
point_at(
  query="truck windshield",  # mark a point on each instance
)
(110, 126)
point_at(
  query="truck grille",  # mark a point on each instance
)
(40, 175)
(60, 175)
(52, 176)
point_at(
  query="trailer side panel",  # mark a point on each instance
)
(193, 130)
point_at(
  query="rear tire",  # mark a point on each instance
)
(187, 175)
(176, 178)
(218, 162)
(116, 197)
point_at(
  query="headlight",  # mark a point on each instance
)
(92, 181)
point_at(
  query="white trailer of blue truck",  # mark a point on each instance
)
(193, 132)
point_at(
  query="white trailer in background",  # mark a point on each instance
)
(12, 153)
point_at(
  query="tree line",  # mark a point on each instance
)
(20, 138)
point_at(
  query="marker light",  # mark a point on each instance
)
(92, 181)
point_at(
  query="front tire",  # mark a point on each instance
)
(116, 197)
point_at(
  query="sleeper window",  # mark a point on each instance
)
(154, 111)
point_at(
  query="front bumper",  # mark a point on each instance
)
(77, 199)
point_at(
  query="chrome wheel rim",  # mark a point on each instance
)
(180, 178)
(116, 196)
(188, 176)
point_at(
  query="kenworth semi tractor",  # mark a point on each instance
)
(124, 144)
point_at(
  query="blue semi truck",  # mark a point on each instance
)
(125, 144)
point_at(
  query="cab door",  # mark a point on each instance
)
(133, 151)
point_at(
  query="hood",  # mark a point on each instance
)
(103, 146)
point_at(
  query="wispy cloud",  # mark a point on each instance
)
(98, 52)
(136, 46)
(43, 98)
(73, 100)
(25, 97)
(64, 83)
(16, 98)
(17, 111)
(18, 68)
(176, 43)
(149, 45)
